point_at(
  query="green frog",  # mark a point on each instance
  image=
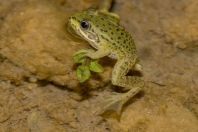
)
(101, 29)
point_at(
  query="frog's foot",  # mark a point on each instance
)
(138, 67)
(111, 105)
(114, 104)
(116, 16)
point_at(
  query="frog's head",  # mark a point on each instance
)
(83, 24)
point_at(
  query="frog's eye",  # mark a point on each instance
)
(85, 24)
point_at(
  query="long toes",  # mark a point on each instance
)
(113, 105)
(83, 51)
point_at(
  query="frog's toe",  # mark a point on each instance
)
(115, 15)
(113, 105)
(83, 51)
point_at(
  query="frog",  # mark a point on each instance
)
(107, 37)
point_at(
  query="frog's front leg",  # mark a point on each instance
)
(119, 78)
(95, 54)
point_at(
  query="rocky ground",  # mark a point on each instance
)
(39, 91)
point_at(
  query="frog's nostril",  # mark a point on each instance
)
(73, 17)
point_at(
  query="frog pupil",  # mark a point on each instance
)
(84, 24)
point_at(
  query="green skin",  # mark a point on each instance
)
(110, 39)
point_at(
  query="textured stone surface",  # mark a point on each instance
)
(34, 38)
(37, 71)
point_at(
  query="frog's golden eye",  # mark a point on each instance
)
(85, 24)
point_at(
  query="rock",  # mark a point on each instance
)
(182, 29)
(40, 45)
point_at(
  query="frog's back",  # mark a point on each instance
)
(118, 39)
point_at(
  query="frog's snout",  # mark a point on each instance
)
(69, 21)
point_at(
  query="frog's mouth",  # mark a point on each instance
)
(72, 31)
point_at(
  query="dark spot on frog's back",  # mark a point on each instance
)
(102, 18)
(102, 36)
(103, 30)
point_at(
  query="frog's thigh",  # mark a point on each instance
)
(119, 77)
(114, 16)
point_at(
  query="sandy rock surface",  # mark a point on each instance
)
(34, 38)
(39, 91)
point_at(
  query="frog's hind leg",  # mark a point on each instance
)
(119, 78)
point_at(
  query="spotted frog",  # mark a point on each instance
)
(101, 29)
